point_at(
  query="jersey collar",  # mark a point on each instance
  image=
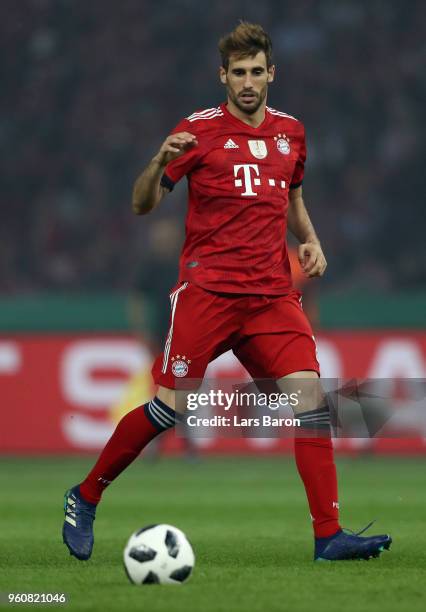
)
(240, 123)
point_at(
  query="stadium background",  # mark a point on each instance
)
(89, 92)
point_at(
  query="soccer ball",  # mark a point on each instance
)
(158, 554)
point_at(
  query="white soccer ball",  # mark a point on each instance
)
(158, 554)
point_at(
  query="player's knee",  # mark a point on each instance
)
(175, 399)
(304, 388)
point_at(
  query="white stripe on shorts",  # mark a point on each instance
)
(173, 302)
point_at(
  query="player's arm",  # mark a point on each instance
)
(147, 190)
(310, 253)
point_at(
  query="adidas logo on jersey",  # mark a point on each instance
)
(230, 144)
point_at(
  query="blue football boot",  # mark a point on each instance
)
(344, 546)
(77, 531)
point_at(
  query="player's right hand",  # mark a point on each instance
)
(174, 146)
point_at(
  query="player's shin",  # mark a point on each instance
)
(135, 430)
(315, 463)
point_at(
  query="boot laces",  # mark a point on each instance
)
(357, 533)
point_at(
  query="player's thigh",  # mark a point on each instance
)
(278, 340)
(288, 361)
(280, 344)
(277, 355)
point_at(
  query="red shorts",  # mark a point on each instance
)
(269, 334)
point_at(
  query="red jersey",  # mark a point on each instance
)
(238, 180)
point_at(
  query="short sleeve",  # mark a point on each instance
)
(299, 170)
(184, 164)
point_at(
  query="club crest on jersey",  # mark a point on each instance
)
(283, 143)
(258, 148)
(180, 366)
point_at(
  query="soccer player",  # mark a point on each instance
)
(244, 162)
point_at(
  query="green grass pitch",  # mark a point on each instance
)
(247, 520)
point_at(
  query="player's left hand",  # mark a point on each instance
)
(312, 259)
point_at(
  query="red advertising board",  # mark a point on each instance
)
(64, 393)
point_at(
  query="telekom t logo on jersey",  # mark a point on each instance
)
(250, 177)
(246, 173)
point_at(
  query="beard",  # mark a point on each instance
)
(248, 107)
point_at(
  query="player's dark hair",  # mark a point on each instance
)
(246, 40)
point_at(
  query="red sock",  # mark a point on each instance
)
(315, 463)
(131, 435)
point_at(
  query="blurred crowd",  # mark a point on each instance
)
(90, 90)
